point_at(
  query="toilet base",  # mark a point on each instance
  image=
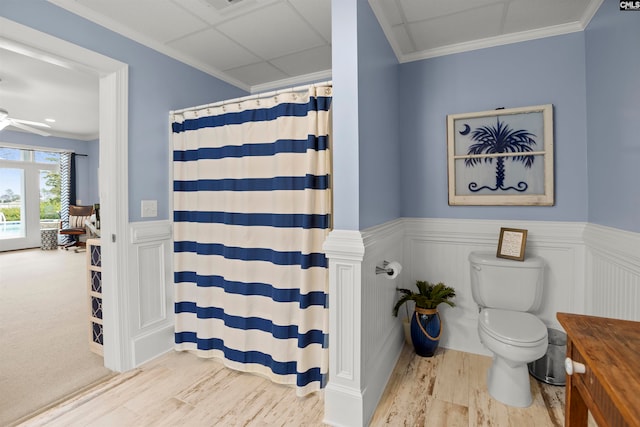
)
(509, 384)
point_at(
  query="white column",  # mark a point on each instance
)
(343, 394)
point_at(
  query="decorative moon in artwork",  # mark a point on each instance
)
(466, 130)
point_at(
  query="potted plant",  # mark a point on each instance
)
(426, 326)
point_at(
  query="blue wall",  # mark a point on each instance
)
(545, 71)
(378, 120)
(366, 149)
(590, 77)
(345, 149)
(86, 167)
(613, 114)
(157, 85)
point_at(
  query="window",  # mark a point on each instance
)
(29, 195)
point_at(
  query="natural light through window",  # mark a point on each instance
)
(27, 178)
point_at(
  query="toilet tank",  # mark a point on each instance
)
(506, 284)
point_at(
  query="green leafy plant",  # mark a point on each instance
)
(11, 214)
(429, 295)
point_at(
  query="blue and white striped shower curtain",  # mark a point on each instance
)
(252, 208)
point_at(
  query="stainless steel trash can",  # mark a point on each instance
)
(550, 367)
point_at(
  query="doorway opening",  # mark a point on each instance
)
(113, 174)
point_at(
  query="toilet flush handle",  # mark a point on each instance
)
(477, 267)
(574, 367)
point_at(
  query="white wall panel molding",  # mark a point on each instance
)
(438, 249)
(380, 233)
(613, 272)
(382, 334)
(343, 394)
(151, 291)
(622, 247)
(590, 269)
(344, 244)
(150, 231)
(365, 339)
(487, 231)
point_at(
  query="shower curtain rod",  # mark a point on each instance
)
(254, 96)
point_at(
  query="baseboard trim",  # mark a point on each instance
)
(150, 345)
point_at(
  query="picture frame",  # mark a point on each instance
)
(512, 243)
(501, 157)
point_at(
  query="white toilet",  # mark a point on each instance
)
(505, 292)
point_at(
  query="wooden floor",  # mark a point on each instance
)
(449, 389)
(178, 389)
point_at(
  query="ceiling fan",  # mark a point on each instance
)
(27, 125)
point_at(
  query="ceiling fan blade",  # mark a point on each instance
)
(30, 123)
(14, 123)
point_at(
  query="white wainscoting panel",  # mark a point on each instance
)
(437, 250)
(365, 339)
(343, 396)
(382, 334)
(589, 269)
(151, 291)
(613, 271)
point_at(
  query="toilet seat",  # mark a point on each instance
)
(513, 327)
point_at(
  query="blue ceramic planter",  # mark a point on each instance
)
(425, 331)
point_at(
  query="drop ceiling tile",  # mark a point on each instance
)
(272, 32)
(418, 10)
(158, 19)
(476, 24)
(307, 62)
(256, 74)
(201, 9)
(528, 15)
(216, 11)
(390, 11)
(214, 49)
(317, 13)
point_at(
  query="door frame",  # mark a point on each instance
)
(113, 174)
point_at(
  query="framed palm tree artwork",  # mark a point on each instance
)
(501, 157)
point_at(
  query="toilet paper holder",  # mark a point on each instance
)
(391, 269)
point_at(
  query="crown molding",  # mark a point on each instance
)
(86, 13)
(502, 40)
(292, 81)
(505, 39)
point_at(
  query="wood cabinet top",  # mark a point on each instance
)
(611, 350)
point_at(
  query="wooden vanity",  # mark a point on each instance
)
(609, 352)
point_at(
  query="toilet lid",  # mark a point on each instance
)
(512, 327)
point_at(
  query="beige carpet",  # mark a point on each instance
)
(44, 352)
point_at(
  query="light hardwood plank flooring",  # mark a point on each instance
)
(179, 389)
(449, 389)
